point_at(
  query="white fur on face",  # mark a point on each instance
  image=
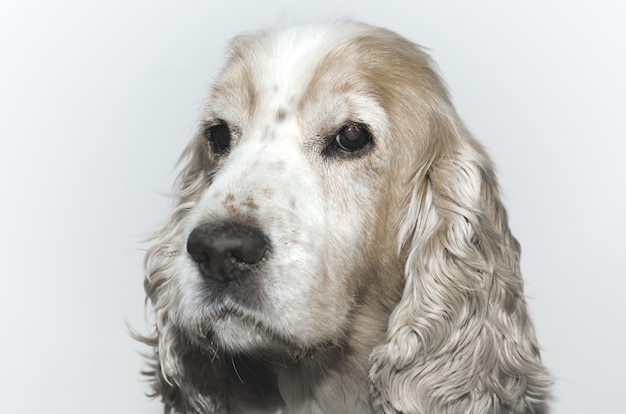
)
(276, 176)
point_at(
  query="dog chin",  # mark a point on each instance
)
(238, 334)
(235, 333)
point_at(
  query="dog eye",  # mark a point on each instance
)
(352, 138)
(219, 136)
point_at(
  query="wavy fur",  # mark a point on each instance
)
(460, 340)
(424, 282)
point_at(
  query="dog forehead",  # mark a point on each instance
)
(293, 53)
(277, 69)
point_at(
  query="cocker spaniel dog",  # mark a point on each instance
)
(338, 243)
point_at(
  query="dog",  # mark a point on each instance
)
(338, 243)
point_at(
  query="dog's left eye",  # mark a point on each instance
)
(351, 138)
(219, 136)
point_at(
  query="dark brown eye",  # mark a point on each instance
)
(352, 138)
(219, 137)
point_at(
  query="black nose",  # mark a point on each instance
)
(226, 250)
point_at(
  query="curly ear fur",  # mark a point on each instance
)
(178, 373)
(460, 339)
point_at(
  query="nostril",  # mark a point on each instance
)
(218, 248)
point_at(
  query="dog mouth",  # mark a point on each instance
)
(232, 330)
(230, 325)
(232, 316)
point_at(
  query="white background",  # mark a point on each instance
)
(98, 98)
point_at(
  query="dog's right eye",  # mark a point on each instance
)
(219, 137)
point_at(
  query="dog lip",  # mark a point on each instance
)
(229, 314)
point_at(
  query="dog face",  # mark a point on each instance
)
(339, 233)
(299, 157)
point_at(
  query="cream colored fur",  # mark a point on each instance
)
(393, 281)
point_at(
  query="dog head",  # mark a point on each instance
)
(332, 189)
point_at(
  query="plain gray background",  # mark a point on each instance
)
(98, 98)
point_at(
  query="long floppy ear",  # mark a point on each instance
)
(184, 378)
(460, 339)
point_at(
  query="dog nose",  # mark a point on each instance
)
(226, 250)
